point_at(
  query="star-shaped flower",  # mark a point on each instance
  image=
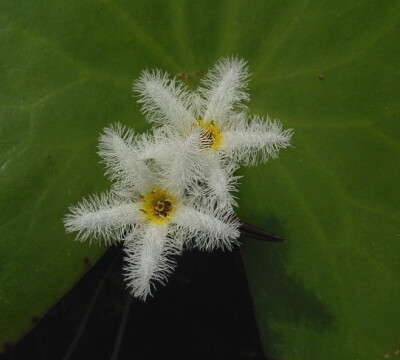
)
(173, 188)
(218, 110)
(154, 222)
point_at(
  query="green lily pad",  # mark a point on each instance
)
(327, 69)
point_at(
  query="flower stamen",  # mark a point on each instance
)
(211, 133)
(158, 206)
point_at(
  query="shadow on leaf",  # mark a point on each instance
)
(280, 297)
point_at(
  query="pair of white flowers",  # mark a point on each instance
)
(172, 189)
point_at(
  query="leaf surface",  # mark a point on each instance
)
(327, 69)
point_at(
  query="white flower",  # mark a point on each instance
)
(218, 110)
(153, 221)
(174, 188)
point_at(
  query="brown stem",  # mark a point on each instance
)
(258, 233)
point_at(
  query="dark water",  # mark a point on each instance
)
(205, 312)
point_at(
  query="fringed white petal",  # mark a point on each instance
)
(149, 147)
(207, 229)
(103, 216)
(255, 141)
(183, 162)
(118, 147)
(221, 183)
(217, 182)
(149, 260)
(164, 100)
(225, 88)
(197, 104)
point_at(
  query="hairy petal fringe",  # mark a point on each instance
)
(182, 164)
(225, 88)
(218, 182)
(149, 261)
(257, 141)
(209, 229)
(118, 149)
(221, 184)
(103, 216)
(164, 100)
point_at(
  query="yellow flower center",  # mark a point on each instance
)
(211, 133)
(158, 206)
